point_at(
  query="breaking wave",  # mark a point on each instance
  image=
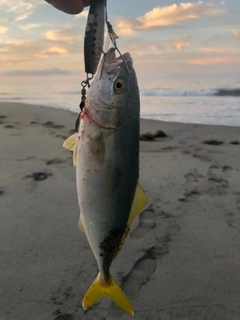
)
(191, 92)
(180, 93)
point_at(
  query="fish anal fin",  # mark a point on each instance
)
(110, 289)
(72, 144)
(139, 203)
(75, 154)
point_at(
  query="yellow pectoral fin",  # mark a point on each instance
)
(139, 203)
(72, 144)
(110, 289)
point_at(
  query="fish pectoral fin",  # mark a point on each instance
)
(80, 225)
(139, 203)
(110, 289)
(71, 144)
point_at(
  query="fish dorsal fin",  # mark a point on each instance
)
(80, 225)
(139, 203)
(71, 144)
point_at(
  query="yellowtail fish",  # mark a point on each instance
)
(106, 155)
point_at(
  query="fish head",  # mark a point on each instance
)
(114, 95)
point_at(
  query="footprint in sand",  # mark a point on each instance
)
(193, 180)
(54, 161)
(193, 176)
(140, 273)
(231, 219)
(146, 222)
(193, 195)
(217, 179)
(2, 118)
(39, 176)
(146, 266)
(214, 184)
(226, 169)
(63, 316)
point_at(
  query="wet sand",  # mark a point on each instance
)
(181, 259)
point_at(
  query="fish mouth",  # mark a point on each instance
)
(113, 64)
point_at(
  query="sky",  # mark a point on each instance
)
(164, 38)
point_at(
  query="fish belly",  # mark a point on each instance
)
(107, 175)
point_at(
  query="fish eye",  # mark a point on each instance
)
(119, 85)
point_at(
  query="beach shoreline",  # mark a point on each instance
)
(181, 259)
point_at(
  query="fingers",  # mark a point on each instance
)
(69, 6)
(86, 3)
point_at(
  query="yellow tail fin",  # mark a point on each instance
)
(110, 289)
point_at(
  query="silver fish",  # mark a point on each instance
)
(106, 155)
(94, 35)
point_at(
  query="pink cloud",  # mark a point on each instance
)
(167, 16)
(214, 60)
(172, 15)
(3, 29)
(236, 33)
(220, 49)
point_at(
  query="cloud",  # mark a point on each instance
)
(30, 26)
(45, 72)
(21, 9)
(125, 27)
(143, 47)
(214, 61)
(178, 43)
(4, 21)
(27, 53)
(3, 29)
(59, 43)
(220, 49)
(68, 34)
(172, 15)
(236, 33)
(153, 47)
(216, 40)
(59, 50)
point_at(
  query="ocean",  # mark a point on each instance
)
(209, 100)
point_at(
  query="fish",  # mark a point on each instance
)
(94, 35)
(106, 156)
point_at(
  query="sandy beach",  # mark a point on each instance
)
(181, 259)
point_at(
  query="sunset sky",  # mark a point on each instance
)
(163, 37)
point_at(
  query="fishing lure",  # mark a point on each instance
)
(94, 36)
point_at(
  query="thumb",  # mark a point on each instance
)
(70, 6)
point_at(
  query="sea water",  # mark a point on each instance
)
(207, 100)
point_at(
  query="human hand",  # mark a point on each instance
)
(70, 6)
